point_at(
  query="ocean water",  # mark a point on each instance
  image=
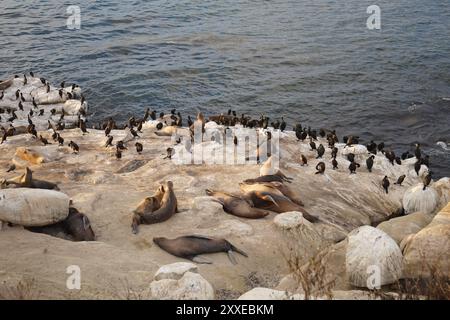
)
(313, 62)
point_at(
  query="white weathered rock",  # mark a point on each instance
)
(175, 270)
(301, 234)
(191, 286)
(289, 220)
(371, 250)
(400, 227)
(269, 294)
(356, 149)
(33, 207)
(416, 199)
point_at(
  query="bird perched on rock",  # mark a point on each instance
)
(118, 153)
(83, 126)
(320, 167)
(170, 153)
(304, 160)
(320, 151)
(139, 147)
(334, 163)
(74, 147)
(427, 180)
(120, 145)
(60, 140)
(369, 163)
(352, 167)
(385, 183)
(282, 125)
(417, 166)
(351, 157)
(43, 140)
(400, 180)
(312, 144)
(109, 141)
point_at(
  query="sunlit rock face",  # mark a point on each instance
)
(427, 253)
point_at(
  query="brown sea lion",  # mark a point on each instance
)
(267, 178)
(26, 181)
(152, 213)
(237, 206)
(75, 227)
(146, 206)
(271, 186)
(189, 247)
(273, 201)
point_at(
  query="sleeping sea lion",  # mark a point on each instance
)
(189, 247)
(237, 206)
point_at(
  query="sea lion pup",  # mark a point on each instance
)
(167, 208)
(236, 205)
(272, 186)
(75, 227)
(268, 169)
(190, 246)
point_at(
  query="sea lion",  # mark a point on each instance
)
(189, 247)
(152, 214)
(268, 169)
(75, 227)
(273, 186)
(237, 205)
(26, 180)
(146, 206)
(267, 178)
(276, 203)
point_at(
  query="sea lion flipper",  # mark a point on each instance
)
(201, 260)
(269, 198)
(231, 257)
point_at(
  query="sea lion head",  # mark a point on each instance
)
(159, 240)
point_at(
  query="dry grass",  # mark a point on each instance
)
(22, 290)
(311, 276)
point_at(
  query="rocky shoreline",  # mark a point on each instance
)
(358, 226)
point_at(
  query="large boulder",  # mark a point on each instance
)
(428, 250)
(33, 207)
(442, 187)
(191, 286)
(400, 227)
(300, 234)
(371, 250)
(416, 199)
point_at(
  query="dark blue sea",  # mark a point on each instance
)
(313, 62)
